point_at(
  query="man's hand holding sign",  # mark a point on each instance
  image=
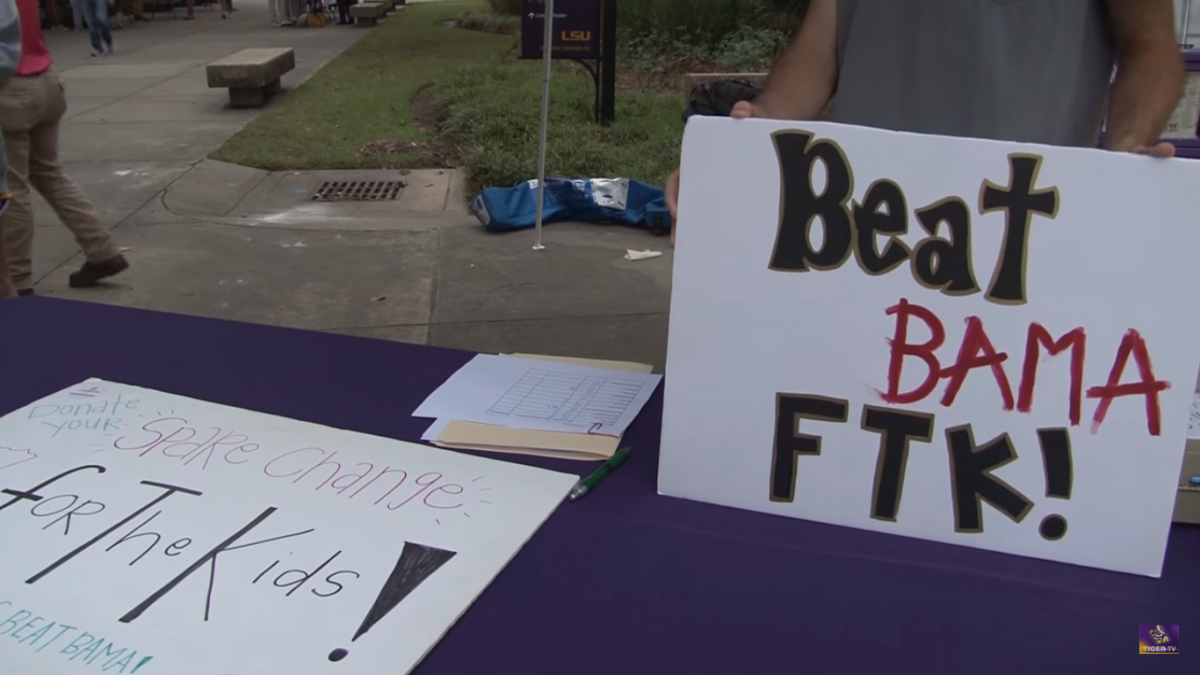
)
(981, 343)
(1023, 71)
(1007, 362)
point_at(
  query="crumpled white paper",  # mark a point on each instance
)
(631, 254)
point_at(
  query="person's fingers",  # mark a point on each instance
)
(672, 197)
(1163, 150)
(672, 193)
(742, 110)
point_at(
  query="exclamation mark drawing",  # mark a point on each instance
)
(1056, 458)
(416, 564)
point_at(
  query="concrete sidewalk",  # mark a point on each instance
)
(219, 240)
(140, 119)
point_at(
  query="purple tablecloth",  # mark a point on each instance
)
(627, 582)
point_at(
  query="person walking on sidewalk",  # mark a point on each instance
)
(344, 12)
(32, 105)
(10, 58)
(99, 27)
(77, 19)
(283, 13)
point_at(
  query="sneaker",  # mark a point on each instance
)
(93, 273)
(111, 48)
(97, 54)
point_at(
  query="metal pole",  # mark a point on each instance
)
(608, 63)
(547, 48)
(1183, 21)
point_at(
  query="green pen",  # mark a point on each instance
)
(585, 486)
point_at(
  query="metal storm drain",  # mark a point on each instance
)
(358, 191)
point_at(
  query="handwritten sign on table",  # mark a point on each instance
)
(981, 343)
(149, 533)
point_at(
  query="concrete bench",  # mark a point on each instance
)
(251, 75)
(367, 14)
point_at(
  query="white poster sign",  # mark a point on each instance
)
(980, 343)
(149, 533)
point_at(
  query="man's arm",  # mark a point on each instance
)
(803, 80)
(1150, 79)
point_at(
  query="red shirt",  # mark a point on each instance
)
(35, 58)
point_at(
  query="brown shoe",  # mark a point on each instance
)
(25, 292)
(92, 273)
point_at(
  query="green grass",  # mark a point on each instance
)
(488, 103)
(493, 117)
(364, 95)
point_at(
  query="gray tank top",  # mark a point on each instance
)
(1017, 70)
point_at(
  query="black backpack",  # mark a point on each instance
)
(717, 98)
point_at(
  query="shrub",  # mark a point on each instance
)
(661, 38)
(708, 21)
(750, 49)
(658, 55)
(790, 11)
(657, 59)
(509, 7)
(693, 21)
(490, 22)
